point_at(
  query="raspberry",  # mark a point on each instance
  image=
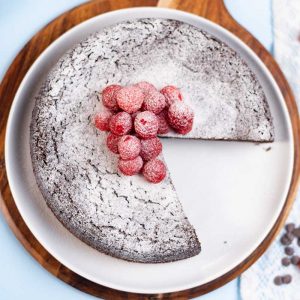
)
(163, 126)
(150, 148)
(109, 97)
(146, 86)
(181, 117)
(112, 142)
(130, 167)
(130, 98)
(146, 124)
(121, 123)
(154, 170)
(101, 120)
(129, 147)
(154, 101)
(171, 94)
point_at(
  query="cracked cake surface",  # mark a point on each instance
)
(127, 217)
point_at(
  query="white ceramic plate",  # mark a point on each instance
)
(232, 192)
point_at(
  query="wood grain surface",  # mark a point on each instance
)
(214, 10)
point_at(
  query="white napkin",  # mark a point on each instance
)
(286, 23)
(257, 282)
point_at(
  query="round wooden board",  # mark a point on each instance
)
(211, 9)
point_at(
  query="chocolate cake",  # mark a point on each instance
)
(127, 217)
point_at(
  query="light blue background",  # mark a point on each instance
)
(21, 277)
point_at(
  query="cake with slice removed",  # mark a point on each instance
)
(127, 217)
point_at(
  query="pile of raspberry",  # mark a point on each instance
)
(135, 115)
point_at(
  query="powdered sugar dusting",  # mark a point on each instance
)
(122, 216)
(125, 216)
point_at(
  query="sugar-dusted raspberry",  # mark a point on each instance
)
(154, 170)
(109, 97)
(146, 124)
(181, 117)
(130, 98)
(101, 120)
(163, 125)
(171, 94)
(129, 147)
(151, 148)
(146, 86)
(154, 101)
(112, 142)
(130, 167)
(121, 123)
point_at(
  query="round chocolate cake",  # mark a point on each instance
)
(127, 217)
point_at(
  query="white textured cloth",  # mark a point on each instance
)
(257, 282)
